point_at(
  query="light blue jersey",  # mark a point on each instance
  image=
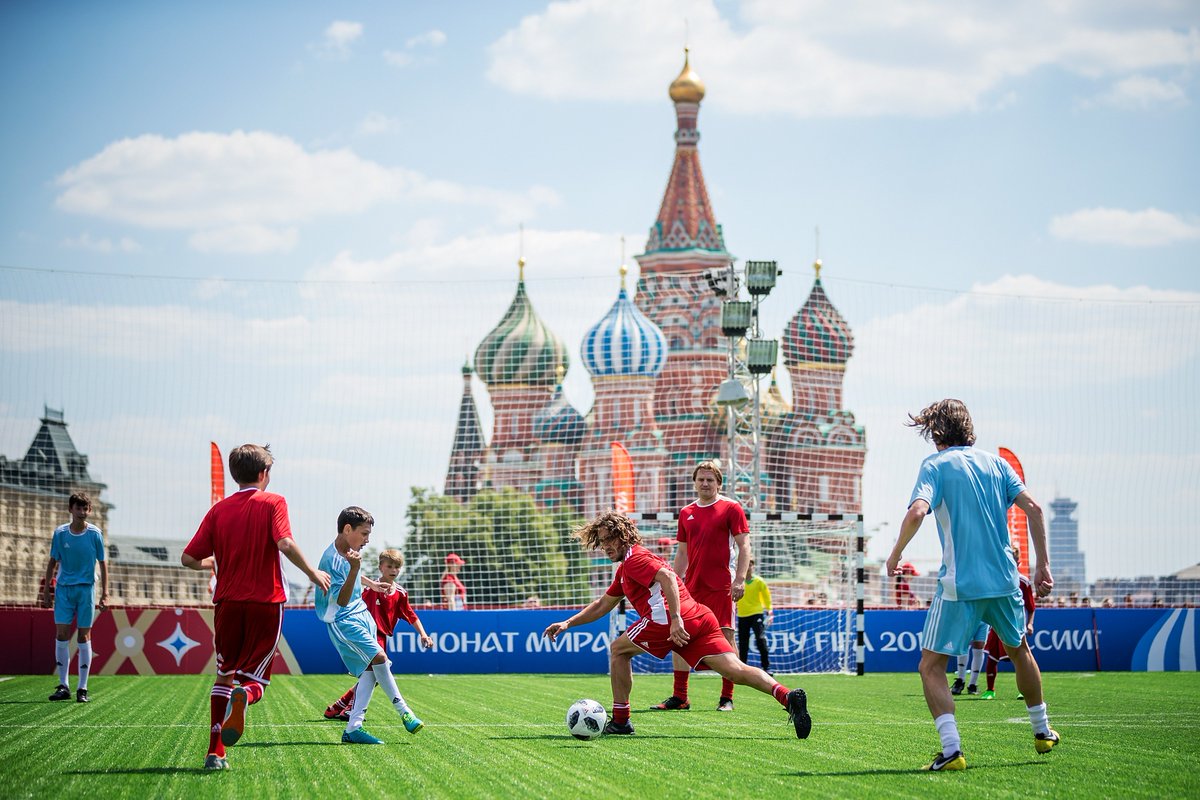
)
(77, 554)
(969, 492)
(326, 602)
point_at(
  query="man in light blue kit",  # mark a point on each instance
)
(969, 492)
(352, 628)
(75, 550)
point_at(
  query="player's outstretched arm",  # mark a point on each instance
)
(593, 611)
(292, 552)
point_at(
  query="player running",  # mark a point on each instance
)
(670, 622)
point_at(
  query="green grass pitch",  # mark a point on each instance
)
(1124, 735)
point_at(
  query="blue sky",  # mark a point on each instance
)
(292, 163)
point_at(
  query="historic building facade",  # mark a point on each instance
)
(656, 362)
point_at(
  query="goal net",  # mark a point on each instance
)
(811, 565)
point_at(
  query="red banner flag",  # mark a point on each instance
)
(1018, 523)
(622, 478)
(217, 470)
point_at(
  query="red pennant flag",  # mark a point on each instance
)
(622, 476)
(218, 474)
(1018, 523)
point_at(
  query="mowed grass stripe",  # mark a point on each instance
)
(1125, 735)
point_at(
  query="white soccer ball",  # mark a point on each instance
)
(586, 718)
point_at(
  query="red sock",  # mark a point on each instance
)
(726, 688)
(780, 693)
(681, 684)
(991, 677)
(346, 700)
(254, 692)
(620, 713)
(218, 700)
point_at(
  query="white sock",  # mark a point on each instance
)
(362, 697)
(62, 660)
(947, 728)
(1038, 718)
(977, 654)
(85, 663)
(962, 666)
(387, 682)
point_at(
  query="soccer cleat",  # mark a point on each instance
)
(988, 695)
(235, 718)
(672, 703)
(411, 723)
(797, 706)
(81, 696)
(942, 763)
(359, 736)
(957, 688)
(344, 716)
(1045, 742)
(618, 728)
(725, 704)
(61, 693)
(215, 762)
(972, 689)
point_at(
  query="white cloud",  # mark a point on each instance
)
(244, 239)
(432, 38)
(338, 39)
(244, 190)
(423, 41)
(827, 58)
(85, 241)
(1140, 92)
(1146, 228)
(376, 123)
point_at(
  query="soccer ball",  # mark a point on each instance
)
(585, 719)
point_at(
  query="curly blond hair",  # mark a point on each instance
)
(607, 525)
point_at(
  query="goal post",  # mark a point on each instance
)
(813, 565)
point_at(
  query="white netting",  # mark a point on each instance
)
(810, 567)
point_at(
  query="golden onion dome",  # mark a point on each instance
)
(687, 88)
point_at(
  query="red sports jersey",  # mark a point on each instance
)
(459, 599)
(388, 609)
(241, 533)
(1027, 597)
(708, 532)
(635, 580)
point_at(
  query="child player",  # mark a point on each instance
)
(243, 537)
(994, 649)
(351, 627)
(388, 603)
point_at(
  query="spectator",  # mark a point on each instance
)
(454, 591)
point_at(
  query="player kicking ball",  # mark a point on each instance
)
(670, 622)
(352, 628)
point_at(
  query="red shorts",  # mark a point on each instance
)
(246, 636)
(707, 639)
(994, 648)
(718, 602)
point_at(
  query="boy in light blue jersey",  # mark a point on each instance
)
(351, 627)
(75, 550)
(969, 492)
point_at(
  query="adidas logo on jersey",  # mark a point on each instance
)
(690, 516)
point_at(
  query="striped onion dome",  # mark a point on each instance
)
(521, 350)
(558, 422)
(817, 334)
(625, 342)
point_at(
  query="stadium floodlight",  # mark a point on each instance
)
(732, 393)
(735, 317)
(720, 280)
(760, 277)
(761, 355)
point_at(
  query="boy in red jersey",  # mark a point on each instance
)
(242, 537)
(993, 647)
(708, 530)
(670, 622)
(388, 604)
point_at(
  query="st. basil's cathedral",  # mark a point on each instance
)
(656, 362)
